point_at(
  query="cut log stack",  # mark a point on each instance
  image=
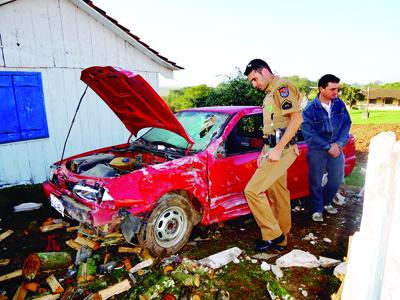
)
(45, 261)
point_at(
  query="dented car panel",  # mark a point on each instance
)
(191, 167)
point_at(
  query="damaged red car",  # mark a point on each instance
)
(180, 170)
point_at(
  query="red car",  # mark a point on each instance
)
(188, 168)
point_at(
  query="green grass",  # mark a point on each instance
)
(376, 117)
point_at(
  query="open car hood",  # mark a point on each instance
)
(132, 99)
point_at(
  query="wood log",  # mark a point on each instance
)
(68, 294)
(47, 228)
(55, 286)
(6, 234)
(116, 289)
(72, 228)
(127, 264)
(4, 262)
(21, 293)
(45, 261)
(73, 244)
(94, 285)
(135, 250)
(47, 297)
(113, 235)
(32, 286)
(11, 275)
(88, 242)
(113, 241)
(87, 270)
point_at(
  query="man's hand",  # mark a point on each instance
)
(262, 156)
(275, 154)
(335, 150)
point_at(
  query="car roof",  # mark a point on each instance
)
(225, 109)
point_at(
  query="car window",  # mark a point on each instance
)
(202, 127)
(246, 136)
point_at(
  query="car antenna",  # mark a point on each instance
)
(73, 120)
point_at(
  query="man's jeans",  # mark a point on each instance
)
(318, 163)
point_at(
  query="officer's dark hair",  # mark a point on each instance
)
(324, 80)
(256, 65)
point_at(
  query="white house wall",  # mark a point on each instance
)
(58, 39)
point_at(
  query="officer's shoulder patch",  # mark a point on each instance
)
(283, 91)
(287, 104)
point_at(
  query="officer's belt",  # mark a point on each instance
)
(270, 140)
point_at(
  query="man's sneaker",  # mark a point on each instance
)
(330, 209)
(317, 217)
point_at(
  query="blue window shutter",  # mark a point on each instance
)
(30, 106)
(9, 125)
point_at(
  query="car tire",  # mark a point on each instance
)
(168, 227)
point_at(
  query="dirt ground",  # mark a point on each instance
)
(243, 280)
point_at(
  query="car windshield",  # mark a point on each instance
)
(200, 126)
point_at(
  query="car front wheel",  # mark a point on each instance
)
(168, 227)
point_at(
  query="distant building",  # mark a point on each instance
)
(383, 97)
(44, 46)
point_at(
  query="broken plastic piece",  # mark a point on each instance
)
(221, 259)
(297, 258)
(141, 265)
(27, 206)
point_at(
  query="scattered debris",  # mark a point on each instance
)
(55, 286)
(339, 199)
(277, 271)
(264, 256)
(27, 206)
(88, 242)
(114, 290)
(141, 265)
(11, 275)
(21, 292)
(222, 258)
(135, 250)
(253, 261)
(309, 237)
(328, 262)
(265, 266)
(340, 270)
(6, 234)
(45, 261)
(304, 293)
(327, 240)
(4, 262)
(298, 258)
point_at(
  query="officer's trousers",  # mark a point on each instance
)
(273, 216)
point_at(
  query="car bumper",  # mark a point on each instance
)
(74, 209)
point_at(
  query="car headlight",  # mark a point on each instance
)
(88, 193)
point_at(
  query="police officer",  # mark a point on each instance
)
(282, 118)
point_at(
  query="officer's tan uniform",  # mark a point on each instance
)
(273, 216)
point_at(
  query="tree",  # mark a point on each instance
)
(183, 98)
(351, 95)
(234, 90)
(303, 84)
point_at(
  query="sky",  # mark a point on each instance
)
(357, 40)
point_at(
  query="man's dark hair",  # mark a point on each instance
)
(256, 65)
(324, 80)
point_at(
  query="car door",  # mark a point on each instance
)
(232, 166)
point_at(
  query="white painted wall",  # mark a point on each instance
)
(58, 39)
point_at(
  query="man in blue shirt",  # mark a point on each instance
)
(326, 125)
